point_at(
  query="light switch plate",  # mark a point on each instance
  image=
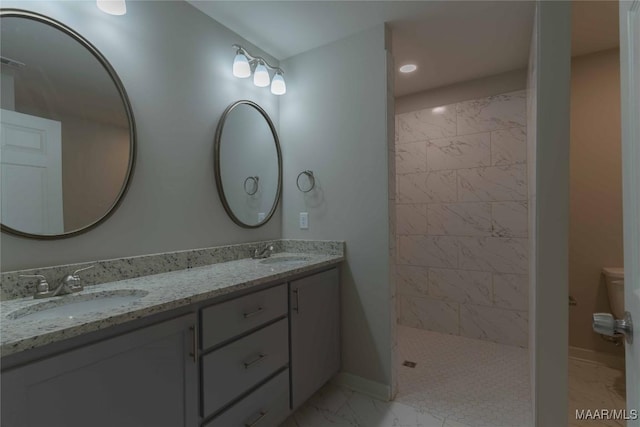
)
(304, 220)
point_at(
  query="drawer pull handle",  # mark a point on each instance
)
(253, 313)
(257, 420)
(194, 343)
(260, 358)
(296, 293)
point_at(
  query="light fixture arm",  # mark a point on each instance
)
(256, 59)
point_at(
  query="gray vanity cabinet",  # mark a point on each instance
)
(315, 333)
(147, 377)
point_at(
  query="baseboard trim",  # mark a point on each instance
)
(362, 385)
(609, 360)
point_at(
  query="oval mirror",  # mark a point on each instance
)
(67, 144)
(248, 164)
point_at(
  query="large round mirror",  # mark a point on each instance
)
(248, 164)
(67, 131)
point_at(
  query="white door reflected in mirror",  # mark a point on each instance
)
(31, 163)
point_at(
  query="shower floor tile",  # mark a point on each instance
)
(462, 380)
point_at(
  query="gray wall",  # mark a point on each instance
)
(175, 63)
(548, 146)
(334, 122)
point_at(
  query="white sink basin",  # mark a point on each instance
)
(285, 260)
(70, 306)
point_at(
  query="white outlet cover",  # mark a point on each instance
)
(304, 220)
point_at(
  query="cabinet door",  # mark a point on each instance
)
(143, 378)
(315, 333)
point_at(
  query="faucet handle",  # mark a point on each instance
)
(75, 273)
(73, 281)
(42, 286)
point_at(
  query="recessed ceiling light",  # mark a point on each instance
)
(408, 68)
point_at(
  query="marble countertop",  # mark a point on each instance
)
(164, 292)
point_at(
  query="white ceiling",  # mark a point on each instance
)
(450, 41)
(287, 28)
(462, 41)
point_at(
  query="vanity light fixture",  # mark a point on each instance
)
(112, 7)
(242, 64)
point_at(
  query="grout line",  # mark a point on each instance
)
(501, 166)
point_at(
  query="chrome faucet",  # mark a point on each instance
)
(264, 253)
(69, 284)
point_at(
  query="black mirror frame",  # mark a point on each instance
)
(19, 13)
(216, 155)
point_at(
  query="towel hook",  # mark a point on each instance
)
(310, 177)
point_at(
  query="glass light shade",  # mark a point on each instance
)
(278, 87)
(112, 7)
(261, 76)
(241, 66)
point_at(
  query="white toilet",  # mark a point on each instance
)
(614, 277)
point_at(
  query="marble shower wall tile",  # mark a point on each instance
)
(428, 251)
(460, 285)
(511, 291)
(411, 219)
(411, 158)
(426, 124)
(509, 219)
(459, 219)
(466, 164)
(509, 146)
(428, 313)
(496, 183)
(494, 324)
(412, 280)
(495, 254)
(466, 151)
(429, 187)
(494, 112)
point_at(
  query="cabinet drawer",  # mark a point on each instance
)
(228, 319)
(267, 406)
(235, 368)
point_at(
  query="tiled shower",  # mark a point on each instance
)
(461, 234)
(461, 219)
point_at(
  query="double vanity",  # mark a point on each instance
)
(237, 343)
(226, 336)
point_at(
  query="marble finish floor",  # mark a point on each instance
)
(457, 382)
(335, 406)
(593, 386)
(460, 382)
